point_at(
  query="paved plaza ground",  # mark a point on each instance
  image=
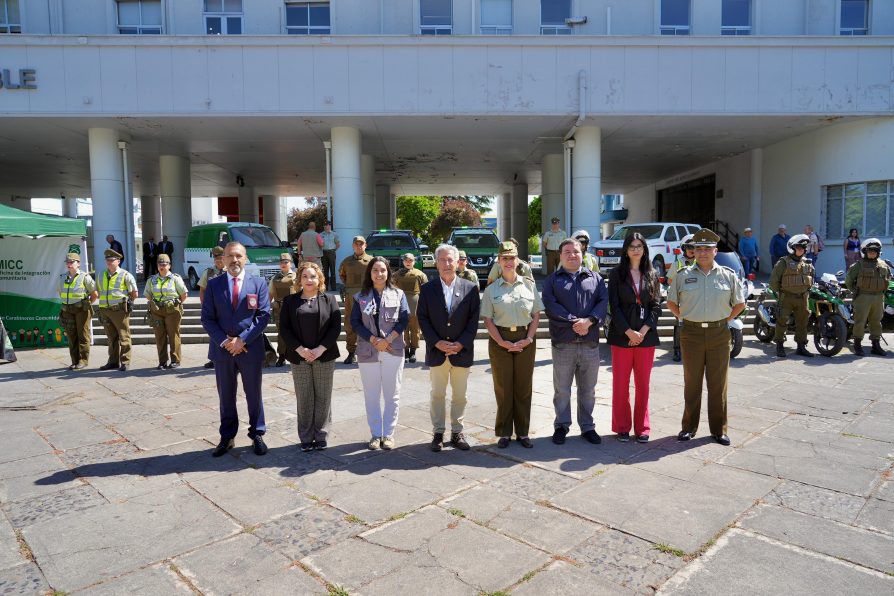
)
(108, 486)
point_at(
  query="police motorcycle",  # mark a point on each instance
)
(830, 319)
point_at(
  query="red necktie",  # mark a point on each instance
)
(235, 292)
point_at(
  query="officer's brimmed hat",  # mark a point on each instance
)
(462, 255)
(217, 251)
(113, 254)
(359, 239)
(73, 256)
(165, 259)
(705, 237)
(508, 249)
(555, 220)
(408, 255)
(285, 257)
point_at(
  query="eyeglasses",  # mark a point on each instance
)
(635, 247)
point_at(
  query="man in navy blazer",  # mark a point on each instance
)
(448, 315)
(235, 312)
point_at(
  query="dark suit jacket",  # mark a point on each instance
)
(460, 324)
(165, 248)
(116, 246)
(329, 327)
(220, 320)
(150, 251)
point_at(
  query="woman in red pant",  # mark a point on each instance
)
(635, 301)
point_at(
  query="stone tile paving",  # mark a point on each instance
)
(109, 488)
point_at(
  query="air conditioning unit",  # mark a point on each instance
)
(576, 21)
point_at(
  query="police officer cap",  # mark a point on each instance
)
(462, 255)
(359, 239)
(508, 249)
(73, 256)
(217, 251)
(555, 220)
(409, 256)
(164, 259)
(113, 254)
(705, 237)
(871, 244)
(285, 257)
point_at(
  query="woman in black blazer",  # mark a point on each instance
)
(635, 300)
(309, 324)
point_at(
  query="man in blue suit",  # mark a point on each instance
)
(235, 313)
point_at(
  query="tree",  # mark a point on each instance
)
(299, 218)
(535, 211)
(415, 213)
(454, 213)
(480, 203)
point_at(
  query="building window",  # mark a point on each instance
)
(675, 17)
(139, 17)
(736, 17)
(854, 17)
(223, 17)
(552, 17)
(496, 17)
(867, 206)
(307, 18)
(436, 17)
(10, 18)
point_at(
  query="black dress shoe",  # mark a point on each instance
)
(280, 361)
(591, 436)
(677, 356)
(684, 435)
(722, 439)
(525, 442)
(351, 359)
(320, 445)
(260, 447)
(71, 366)
(503, 443)
(458, 440)
(559, 435)
(222, 447)
(305, 447)
(437, 442)
(162, 366)
(124, 367)
(209, 364)
(108, 366)
(412, 357)
(174, 365)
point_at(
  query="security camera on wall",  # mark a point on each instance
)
(576, 21)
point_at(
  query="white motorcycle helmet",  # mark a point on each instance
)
(801, 240)
(871, 243)
(686, 243)
(581, 235)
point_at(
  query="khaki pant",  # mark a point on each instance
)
(458, 378)
(167, 338)
(552, 261)
(280, 344)
(513, 374)
(351, 340)
(705, 355)
(792, 303)
(412, 332)
(117, 326)
(79, 337)
(868, 308)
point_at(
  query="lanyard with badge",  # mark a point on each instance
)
(636, 292)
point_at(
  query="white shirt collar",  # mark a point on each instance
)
(240, 277)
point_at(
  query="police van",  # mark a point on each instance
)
(663, 240)
(262, 246)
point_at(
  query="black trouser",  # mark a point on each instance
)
(329, 268)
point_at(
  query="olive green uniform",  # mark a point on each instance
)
(114, 313)
(868, 280)
(679, 265)
(76, 314)
(209, 274)
(523, 269)
(551, 242)
(351, 272)
(791, 279)
(705, 302)
(165, 313)
(468, 274)
(280, 286)
(410, 281)
(511, 307)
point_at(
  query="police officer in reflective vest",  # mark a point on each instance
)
(791, 279)
(682, 261)
(410, 280)
(76, 290)
(351, 272)
(165, 293)
(868, 279)
(117, 291)
(210, 273)
(281, 285)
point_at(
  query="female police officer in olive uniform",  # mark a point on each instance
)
(165, 292)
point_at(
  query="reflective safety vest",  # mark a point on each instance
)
(73, 290)
(111, 288)
(163, 289)
(589, 261)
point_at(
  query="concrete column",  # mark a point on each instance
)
(368, 190)
(586, 187)
(392, 211)
(553, 191)
(248, 205)
(347, 210)
(176, 206)
(504, 221)
(519, 221)
(757, 195)
(150, 213)
(383, 207)
(70, 207)
(275, 215)
(107, 192)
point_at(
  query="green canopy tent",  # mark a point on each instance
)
(32, 254)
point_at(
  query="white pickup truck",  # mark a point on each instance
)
(663, 240)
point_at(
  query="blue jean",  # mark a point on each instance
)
(749, 263)
(578, 362)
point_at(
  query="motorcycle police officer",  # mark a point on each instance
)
(410, 280)
(351, 272)
(791, 279)
(281, 285)
(868, 279)
(210, 273)
(687, 259)
(77, 290)
(165, 293)
(587, 258)
(117, 291)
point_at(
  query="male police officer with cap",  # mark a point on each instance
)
(410, 280)
(210, 273)
(868, 279)
(791, 279)
(552, 238)
(77, 290)
(706, 296)
(462, 268)
(117, 291)
(688, 258)
(351, 271)
(281, 285)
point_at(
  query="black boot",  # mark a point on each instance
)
(877, 348)
(350, 359)
(412, 357)
(406, 354)
(280, 361)
(802, 351)
(858, 349)
(780, 349)
(677, 356)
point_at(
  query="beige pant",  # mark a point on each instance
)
(117, 327)
(458, 377)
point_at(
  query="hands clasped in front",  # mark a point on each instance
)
(235, 346)
(449, 347)
(310, 354)
(515, 346)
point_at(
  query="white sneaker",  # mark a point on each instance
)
(375, 443)
(387, 443)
